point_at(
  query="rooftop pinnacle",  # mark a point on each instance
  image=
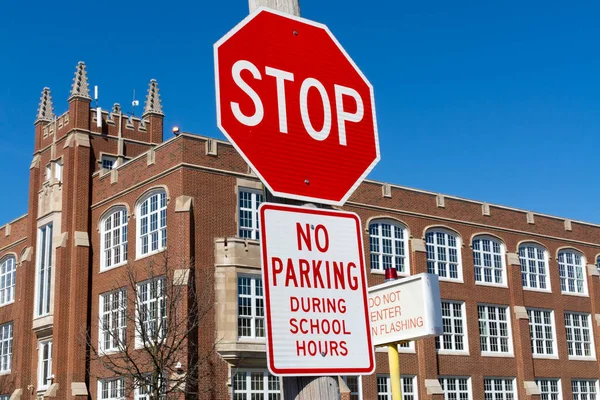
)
(153, 104)
(81, 87)
(45, 109)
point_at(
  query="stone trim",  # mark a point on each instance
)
(520, 312)
(531, 388)
(250, 184)
(51, 391)
(35, 163)
(27, 254)
(114, 176)
(83, 140)
(568, 225)
(592, 270)
(530, 218)
(16, 395)
(7, 229)
(386, 190)
(13, 244)
(485, 209)
(61, 240)
(440, 201)
(513, 259)
(184, 203)
(433, 386)
(79, 389)
(81, 239)
(597, 318)
(211, 147)
(150, 157)
(418, 245)
(181, 277)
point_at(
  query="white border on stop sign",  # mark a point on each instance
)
(368, 170)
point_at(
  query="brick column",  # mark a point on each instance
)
(526, 386)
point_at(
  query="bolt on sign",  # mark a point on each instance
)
(296, 107)
(405, 309)
(315, 292)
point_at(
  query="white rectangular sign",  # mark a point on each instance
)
(315, 292)
(405, 309)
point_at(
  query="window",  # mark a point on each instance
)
(255, 385)
(584, 389)
(48, 175)
(499, 389)
(541, 331)
(44, 271)
(251, 308)
(406, 347)
(388, 243)
(550, 389)
(494, 329)
(44, 363)
(534, 272)
(152, 311)
(456, 388)
(249, 200)
(580, 342)
(58, 170)
(144, 390)
(5, 397)
(114, 239)
(108, 162)
(152, 224)
(111, 389)
(453, 321)
(443, 254)
(384, 388)
(8, 272)
(488, 257)
(113, 320)
(572, 272)
(6, 341)
(354, 384)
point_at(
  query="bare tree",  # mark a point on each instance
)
(161, 301)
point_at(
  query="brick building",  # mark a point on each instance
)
(520, 290)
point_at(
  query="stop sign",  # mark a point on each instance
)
(296, 107)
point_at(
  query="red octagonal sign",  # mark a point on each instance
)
(296, 107)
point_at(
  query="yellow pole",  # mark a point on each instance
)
(394, 363)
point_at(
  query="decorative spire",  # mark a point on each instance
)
(81, 87)
(153, 104)
(45, 109)
(116, 108)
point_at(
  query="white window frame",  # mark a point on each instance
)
(118, 237)
(453, 325)
(578, 384)
(108, 159)
(256, 198)
(482, 253)
(526, 260)
(562, 264)
(8, 276)
(570, 326)
(441, 253)
(116, 320)
(489, 352)
(6, 346)
(43, 273)
(161, 228)
(405, 380)
(44, 365)
(254, 298)
(154, 301)
(503, 392)
(444, 383)
(534, 333)
(354, 394)
(58, 170)
(146, 396)
(247, 372)
(120, 387)
(540, 381)
(376, 248)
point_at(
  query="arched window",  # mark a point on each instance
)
(152, 223)
(534, 266)
(443, 253)
(113, 234)
(488, 258)
(389, 248)
(8, 270)
(571, 268)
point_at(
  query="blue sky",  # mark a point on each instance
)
(494, 102)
